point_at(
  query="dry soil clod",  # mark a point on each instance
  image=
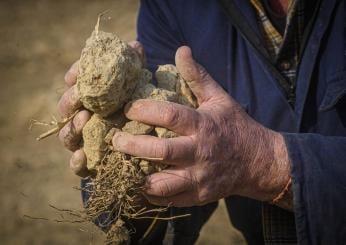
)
(108, 72)
(110, 75)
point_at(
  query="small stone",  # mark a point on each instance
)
(146, 167)
(165, 133)
(164, 95)
(110, 134)
(137, 128)
(167, 77)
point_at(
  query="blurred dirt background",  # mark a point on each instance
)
(39, 40)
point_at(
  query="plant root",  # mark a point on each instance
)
(58, 125)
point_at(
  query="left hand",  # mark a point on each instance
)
(220, 151)
(71, 134)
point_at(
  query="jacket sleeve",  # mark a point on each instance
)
(319, 187)
(159, 32)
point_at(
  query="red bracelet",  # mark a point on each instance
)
(283, 192)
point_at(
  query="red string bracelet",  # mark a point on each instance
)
(283, 192)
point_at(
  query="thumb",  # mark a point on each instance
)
(203, 86)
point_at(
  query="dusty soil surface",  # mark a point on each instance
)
(39, 40)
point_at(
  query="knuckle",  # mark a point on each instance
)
(68, 137)
(75, 164)
(134, 44)
(191, 180)
(62, 105)
(130, 147)
(157, 150)
(71, 75)
(166, 150)
(204, 75)
(207, 124)
(63, 133)
(81, 119)
(161, 149)
(68, 77)
(137, 46)
(202, 196)
(69, 101)
(74, 97)
(163, 188)
(204, 153)
(170, 115)
(78, 163)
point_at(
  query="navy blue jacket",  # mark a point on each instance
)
(315, 130)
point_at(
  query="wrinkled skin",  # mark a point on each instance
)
(221, 151)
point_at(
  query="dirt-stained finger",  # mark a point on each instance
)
(202, 85)
(69, 102)
(71, 134)
(71, 74)
(184, 199)
(140, 51)
(173, 151)
(78, 163)
(169, 182)
(178, 118)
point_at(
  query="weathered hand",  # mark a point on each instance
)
(71, 134)
(220, 151)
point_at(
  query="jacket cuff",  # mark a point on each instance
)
(318, 169)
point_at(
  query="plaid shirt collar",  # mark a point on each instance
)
(283, 48)
(294, 30)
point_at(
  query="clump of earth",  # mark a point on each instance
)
(110, 76)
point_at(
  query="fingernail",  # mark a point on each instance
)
(127, 107)
(119, 141)
(133, 107)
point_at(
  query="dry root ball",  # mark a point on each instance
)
(118, 234)
(108, 72)
(117, 183)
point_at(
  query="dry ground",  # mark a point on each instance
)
(39, 39)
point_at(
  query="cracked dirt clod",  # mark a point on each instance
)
(108, 72)
(94, 134)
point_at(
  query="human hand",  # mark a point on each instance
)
(71, 134)
(220, 151)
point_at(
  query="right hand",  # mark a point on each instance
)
(71, 134)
